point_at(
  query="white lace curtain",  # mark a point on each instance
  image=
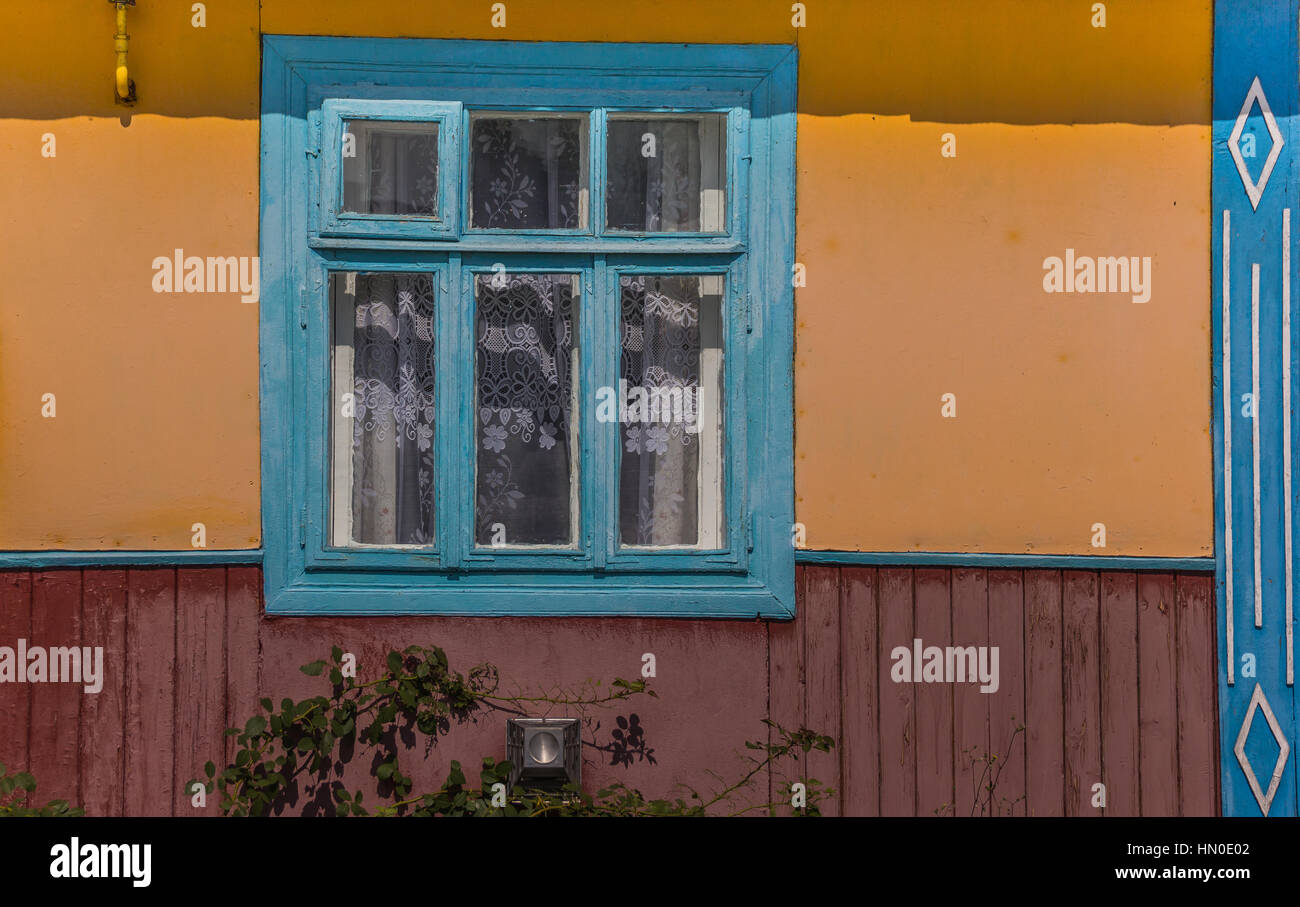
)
(524, 328)
(393, 168)
(659, 481)
(527, 174)
(384, 337)
(655, 175)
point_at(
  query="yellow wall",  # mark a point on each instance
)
(924, 272)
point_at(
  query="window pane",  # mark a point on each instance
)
(526, 425)
(390, 167)
(670, 395)
(667, 174)
(383, 478)
(528, 173)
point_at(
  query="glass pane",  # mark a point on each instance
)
(383, 408)
(390, 167)
(528, 173)
(670, 396)
(667, 174)
(526, 425)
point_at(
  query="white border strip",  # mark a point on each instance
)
(1254, 437)
(1227, 440)
(1286, 434)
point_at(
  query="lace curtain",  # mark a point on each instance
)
(656, 176)
(659, 482)
(388, 333)
(526, 174)
(524, 328)
(394, 169)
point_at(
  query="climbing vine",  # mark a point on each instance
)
(301, 742)
(13, 794)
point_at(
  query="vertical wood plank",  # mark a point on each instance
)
(151, 690)
(970, 713)
(822, 660)
(1119, 693)
(897, 712)
(103, 714)
(1158, 696)
(15, 698)
(934, 774)
(56, 707)
(859, 756)
(243, 648)
(785, 689)
(1081, 690)
(1198, 734)
(200, 680)
(1044, 726)
(1007, 705)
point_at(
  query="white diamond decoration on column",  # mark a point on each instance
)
(1258, 701)
(1253, 189)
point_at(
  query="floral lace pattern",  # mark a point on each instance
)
(393, 421)
(660, 465)
(661, 351)
(526, 173)
(524, 330)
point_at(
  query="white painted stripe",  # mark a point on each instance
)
(1254, 435)
(1227, 442)
(1286, 434)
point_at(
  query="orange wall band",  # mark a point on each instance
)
(924, 272)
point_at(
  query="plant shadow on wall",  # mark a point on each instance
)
(297, 753)
(627, 742)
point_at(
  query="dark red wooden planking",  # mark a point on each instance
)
(1198, 737)
(151, 690)
(200, 681)
(103, 715)
(1081, 690)
(243, 649)
(897, 700)
(1119, 694)
(1007, 705)
(785, 690)
(56, 707)
(822, 690)
(970, 707)
(830, 669)
(1044, 725)
(15, 698)
(934, 758)
(1158, 695)
(859, 755)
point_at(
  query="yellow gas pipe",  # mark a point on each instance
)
(125, 87)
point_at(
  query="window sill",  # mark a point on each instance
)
(591, 596)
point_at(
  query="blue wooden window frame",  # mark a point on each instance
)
(334, 221)
(310, 84)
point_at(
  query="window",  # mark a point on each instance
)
(527, 328)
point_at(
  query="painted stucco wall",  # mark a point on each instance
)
(924, 272)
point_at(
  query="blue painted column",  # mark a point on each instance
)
(1254, 206)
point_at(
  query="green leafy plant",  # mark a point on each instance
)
(419, 691)
(985, 772)
(13, 794)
